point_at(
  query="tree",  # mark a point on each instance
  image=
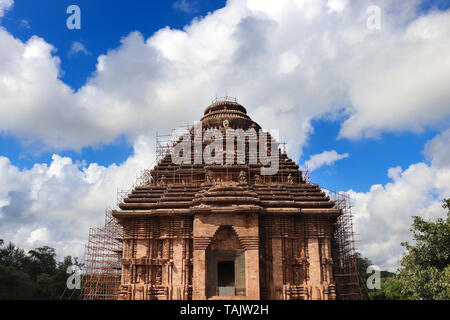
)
(43, 260)
(362, 264)
(15, 284)
(36, 275)
(60, 278)
(426, 265)
(13, 256)
(390, 288)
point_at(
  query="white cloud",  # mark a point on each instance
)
(5, 5)
(402, 86)
(287, 63)
(437, 149)
(25, 24)
(56, 204)
(77, 47)
(184, 6)
(337, 5)
(325, 158)
(383, 216)
(40, 235)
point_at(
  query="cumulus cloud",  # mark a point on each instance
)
(25, 24)
(288, 63)
(40, 235)
(77, 47)
(437, 149)
(186, 6)
(56, 204)
(4, 6)
(337, 5)
(324, 158)
(402, 86)
(383, 215)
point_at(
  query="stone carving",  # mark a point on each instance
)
(163, 180)
(242, 177)
(170, 231)
(140, 275)
(290, 180)
(209, 176)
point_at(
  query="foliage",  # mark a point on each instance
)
(362, 264)
(15, 284)
(36, 275)
(425, 273)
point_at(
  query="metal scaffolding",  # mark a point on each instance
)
(103, 252)
(346, 271)
(166, 141)
(102, 270)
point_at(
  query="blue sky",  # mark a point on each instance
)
(105, 23)
(368, 159)
(312, 70)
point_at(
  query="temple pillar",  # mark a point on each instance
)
(315, 279)
(199, 274)
(252, 274)
(177, 269)
(277, 270)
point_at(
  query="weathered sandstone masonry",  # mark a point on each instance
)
(210, 231)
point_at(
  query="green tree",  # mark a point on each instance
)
(385, 276)
(36, 275)
(362, 264)
(42, 260)
(390, 288)
(60, 278)
(425, 272)
(15, 284)
(13, 256)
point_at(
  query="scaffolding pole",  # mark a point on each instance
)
(346, 271)
(103, 253)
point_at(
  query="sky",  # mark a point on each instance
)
(361, 97)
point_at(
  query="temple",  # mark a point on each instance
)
(198, 230)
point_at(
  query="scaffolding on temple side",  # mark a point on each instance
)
(102, 270)
(345, 266)
(103, 252)
(166, 141)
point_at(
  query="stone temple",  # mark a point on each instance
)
(225, 231)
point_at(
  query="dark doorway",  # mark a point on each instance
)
(225, 273)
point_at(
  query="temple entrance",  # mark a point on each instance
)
(225, 265)
(226, 278)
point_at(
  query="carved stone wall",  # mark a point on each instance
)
(157, 258)
(281, 227)
(295, 257)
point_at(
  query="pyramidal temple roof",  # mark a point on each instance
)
(236, 115)
(239, 187)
